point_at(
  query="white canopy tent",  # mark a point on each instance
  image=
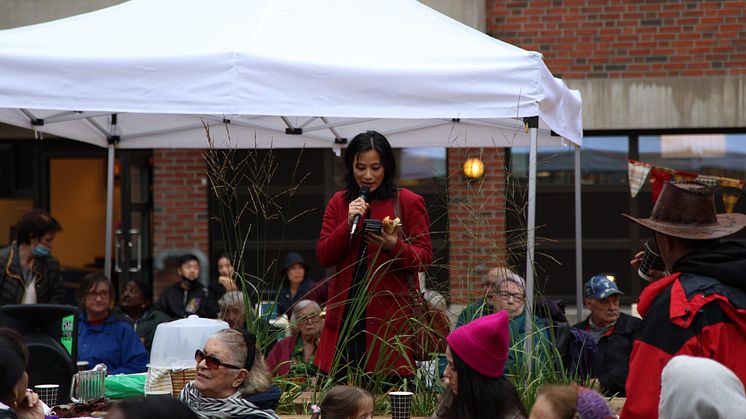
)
(283, 74)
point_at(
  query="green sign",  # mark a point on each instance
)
(67, 333)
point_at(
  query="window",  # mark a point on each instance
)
(603, 161)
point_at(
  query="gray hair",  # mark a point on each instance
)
(297, 308)
(258, 379)
(232, 298)
(505, 274)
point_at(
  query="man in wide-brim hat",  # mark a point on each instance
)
(698, 307)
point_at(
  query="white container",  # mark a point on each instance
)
(175, 342)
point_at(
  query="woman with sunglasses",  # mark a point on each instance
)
(232, 380)
(294, 354)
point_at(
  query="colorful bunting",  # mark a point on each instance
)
(638, 172)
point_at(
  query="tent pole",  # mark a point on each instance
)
(109, 209)
(578, 240)
(533, 125)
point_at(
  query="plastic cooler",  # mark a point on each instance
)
(172, 355)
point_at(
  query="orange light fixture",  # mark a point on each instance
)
(473, 168)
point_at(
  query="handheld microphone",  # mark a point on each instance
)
(365, 194)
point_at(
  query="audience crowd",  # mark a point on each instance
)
(694, 309)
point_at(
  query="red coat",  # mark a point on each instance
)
(683, 314)
(389, 305)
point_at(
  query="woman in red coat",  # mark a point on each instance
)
(369, 301)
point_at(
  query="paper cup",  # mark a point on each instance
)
(47, 393)
(401, 404)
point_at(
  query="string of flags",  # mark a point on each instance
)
(639, 171)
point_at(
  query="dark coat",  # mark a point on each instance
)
(50, 288)
(171, 301)
(147, 324)
(614, 347)
(285, 302)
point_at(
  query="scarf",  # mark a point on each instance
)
(230, 407)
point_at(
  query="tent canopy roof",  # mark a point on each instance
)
(285, 73)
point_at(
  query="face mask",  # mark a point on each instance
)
(188, 283)
(40, 251)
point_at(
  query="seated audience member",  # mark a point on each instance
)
(227, 274)
(105, 337)
(16, 400)
(29, 274)
(295, 282)
(612, 330)
(506, 290)
(570, 402)
(232, 380)
(476, 384)
(345, 402)
(233, 309)
(700, 388)
(225, 282)
(188, 296)
(294, 354)
(432, 369)
(135, 304)
(150, 408)
(489, 304)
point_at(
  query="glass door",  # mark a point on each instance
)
(133, 255)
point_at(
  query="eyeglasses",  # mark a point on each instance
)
(212, 362)
(505, 295)
(94, 295)
(311, 318)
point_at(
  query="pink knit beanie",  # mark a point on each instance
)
(483, 343)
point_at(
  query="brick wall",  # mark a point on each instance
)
(622, 38)
(179, 200)
(476, 212)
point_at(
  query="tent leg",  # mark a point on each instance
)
(109, 210)
(533, 124)
(578, 240)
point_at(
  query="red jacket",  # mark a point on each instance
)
(389, 305)
(683, 314)
(278, 360)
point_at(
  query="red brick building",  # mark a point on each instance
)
(653, 76)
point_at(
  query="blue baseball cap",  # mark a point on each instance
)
(600, 287)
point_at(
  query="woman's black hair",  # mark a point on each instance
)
(13, 360)
(35, 224)
(89, 282)
(157, 407)
(250, 341)
(224, 255)
(366, 141)
(479, 396)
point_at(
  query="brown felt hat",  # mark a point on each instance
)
(687, 210)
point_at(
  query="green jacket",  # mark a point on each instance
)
(517, 329)
(49, 286)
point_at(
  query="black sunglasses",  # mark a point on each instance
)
(212, 362)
